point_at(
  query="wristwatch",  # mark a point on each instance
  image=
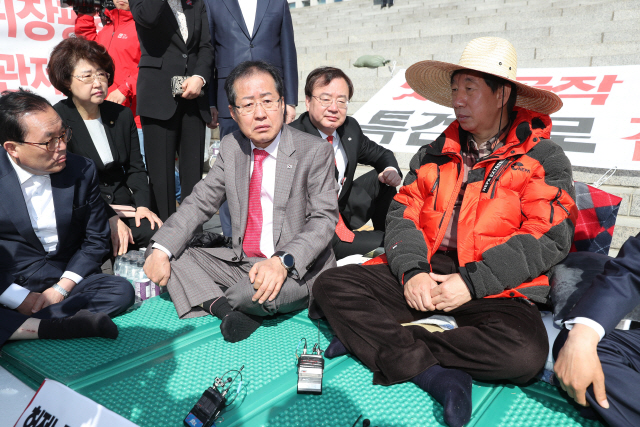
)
(286, 259)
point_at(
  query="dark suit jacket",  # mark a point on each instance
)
(615, 292)
(123, 182)
(359, 149)
(271, 41)
(81, 220)
(164, 54)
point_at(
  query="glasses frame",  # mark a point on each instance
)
(66, 134)
(243, 112)
(94, 77)
(332, 101)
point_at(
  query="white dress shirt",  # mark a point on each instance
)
(100, 141)
(36, 190)
(267, 194)
(340, 156)
(585, 321)
(248, 9)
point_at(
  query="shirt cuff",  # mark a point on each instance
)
(75, 278)
(13, 296)
(391, 168)
(585, 321)
(204, 82)
(162, 248)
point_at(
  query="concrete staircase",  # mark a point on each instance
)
(545, 33)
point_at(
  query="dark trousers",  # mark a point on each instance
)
(369, 200)
(141, 235)
(619, 353)
(496, 339)
(182, 134)
(98, 293)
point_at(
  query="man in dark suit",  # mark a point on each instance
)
(174, 41)
(258, 31)
(328, 91)
(592, 353)
(253, 31)
(53, 231)
(283, 200)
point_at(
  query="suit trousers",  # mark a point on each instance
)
(369, 199)
(98, 293)
(182, 134)
(197, 276)
(619, 354)
(496, 339)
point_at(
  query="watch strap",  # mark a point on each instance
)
(61, 290)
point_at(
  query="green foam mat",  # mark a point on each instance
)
(159, 366)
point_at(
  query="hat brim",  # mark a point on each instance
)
(432, 80)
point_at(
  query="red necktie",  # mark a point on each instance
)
(343, 232)
(251, 244)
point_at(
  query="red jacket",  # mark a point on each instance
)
(121, 40)
(517, 216)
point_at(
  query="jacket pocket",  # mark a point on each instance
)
(556, 200)
(150, 61)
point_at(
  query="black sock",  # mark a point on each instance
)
(452, 389)
(237, 326)
(82, 325)
(335, 348)
(218, 307)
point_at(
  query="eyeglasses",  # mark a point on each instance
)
(326, 102)
(249, 108)
(90, 78)
(53, 143)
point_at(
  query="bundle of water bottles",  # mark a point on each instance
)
(130, 266)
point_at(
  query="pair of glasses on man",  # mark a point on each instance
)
(250, 107)
(102, 76)
(325, 102)
(53, 143)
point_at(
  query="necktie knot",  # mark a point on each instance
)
(259, 155)
(330, 139)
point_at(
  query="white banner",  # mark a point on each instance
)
(598, 126)
(29, 29)
(57, 405)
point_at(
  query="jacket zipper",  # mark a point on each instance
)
(435, 188)
(557, 201)
(498, 176)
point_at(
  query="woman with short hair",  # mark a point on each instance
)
(106, 133)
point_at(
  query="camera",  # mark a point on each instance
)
(89, 7)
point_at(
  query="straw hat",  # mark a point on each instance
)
(491, 55)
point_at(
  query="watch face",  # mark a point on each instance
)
(287, 259)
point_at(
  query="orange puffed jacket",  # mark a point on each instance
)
(517, 217)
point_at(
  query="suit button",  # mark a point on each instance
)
(251, 45)
(184, 55)
(235, 258)
(21, 279)
(511, 294)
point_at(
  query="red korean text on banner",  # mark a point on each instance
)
(636, 151)
(597, 91)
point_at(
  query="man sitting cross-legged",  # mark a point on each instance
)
(54, 231)
(282, 196)
(486, 210)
